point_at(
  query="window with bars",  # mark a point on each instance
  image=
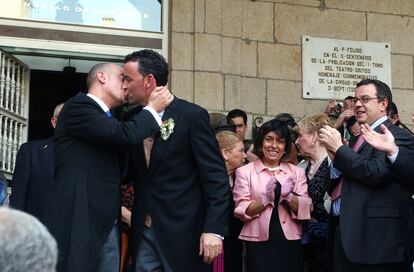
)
(14, 82)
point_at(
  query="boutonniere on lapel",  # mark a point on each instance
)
(167, 128)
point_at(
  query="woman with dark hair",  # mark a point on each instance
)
(271, 198)
(294, 155)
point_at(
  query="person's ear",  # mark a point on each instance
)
(53, 121)
(150, 81)
(314, 137)
(100, 75)
(384, 104)
(224, 154)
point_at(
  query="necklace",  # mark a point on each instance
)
(273, 169)
(315, 166)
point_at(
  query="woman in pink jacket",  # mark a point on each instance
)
(271, 198)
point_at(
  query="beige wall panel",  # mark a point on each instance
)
(257, 23)
(232, 92)
(213, 16)
(402, 72)
(208, 91)
(253, 95)
(199, 15)
(249, 58)
(248, 94)
(182, 52)
(400, 7)
(315, 3)
(183, 16)
(291, 22)
(278, 61)
(231, 55)
(182, 84)
(208, 52)
(231, 18)
(398, 30)
(286, 96)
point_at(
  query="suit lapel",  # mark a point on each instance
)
(160, 145)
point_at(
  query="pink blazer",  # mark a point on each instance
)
(250, 184)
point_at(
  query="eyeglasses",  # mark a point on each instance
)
(364, 99)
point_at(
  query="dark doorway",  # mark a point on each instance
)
(48, 89)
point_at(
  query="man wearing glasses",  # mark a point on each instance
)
(238, 119)
(371, 207)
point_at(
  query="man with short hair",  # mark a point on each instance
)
(347, 111)
(181, 189)
(89, 166)
(238, 118)
(33, 175)
(25, 244)
(370, 209)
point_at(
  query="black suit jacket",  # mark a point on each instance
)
(33, 178)
(185, 188)
(403, 167)
(89, 165)
(375, 208)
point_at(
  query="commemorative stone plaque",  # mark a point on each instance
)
(331, 68)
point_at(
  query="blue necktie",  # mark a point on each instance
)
(108, 113)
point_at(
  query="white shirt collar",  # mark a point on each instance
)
(103, 106)
(379, 122)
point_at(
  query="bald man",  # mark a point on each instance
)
(89, 165)
(33, 174)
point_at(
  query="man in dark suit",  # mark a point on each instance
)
(401, 159)
(33, 175)
(370, 209)
(89, 165)
(181, 191)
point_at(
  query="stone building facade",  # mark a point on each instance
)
(246, 54)
(224, 54)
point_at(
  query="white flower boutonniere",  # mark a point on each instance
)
(167, 128)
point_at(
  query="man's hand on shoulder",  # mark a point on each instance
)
(210, 247)
(160, 98)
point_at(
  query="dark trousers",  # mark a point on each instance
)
(315, 257)
(340, 262)
(109, 259)
(149, 255)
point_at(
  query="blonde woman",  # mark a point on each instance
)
(315, 231)
(232, 150)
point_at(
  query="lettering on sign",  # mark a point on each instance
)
(331, 68)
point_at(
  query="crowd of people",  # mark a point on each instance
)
(166, 187)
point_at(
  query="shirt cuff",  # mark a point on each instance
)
(392, 158)
(218, 236)
(334, 173)
(154, 113)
